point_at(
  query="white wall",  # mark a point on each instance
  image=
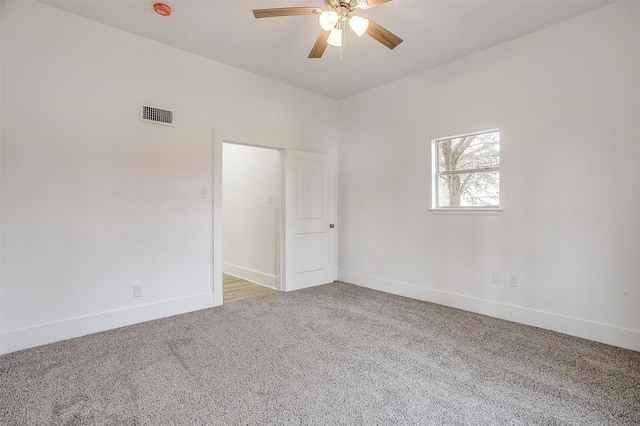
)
(251, 198)
(95, 201)
(567, 102)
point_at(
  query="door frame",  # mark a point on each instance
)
(220, 136)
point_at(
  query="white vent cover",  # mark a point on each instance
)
(156, 115)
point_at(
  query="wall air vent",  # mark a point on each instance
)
(156, 115)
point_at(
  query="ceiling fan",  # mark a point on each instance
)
(333, 21)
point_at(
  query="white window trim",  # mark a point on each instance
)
(489, 211)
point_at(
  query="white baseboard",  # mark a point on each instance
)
(54, 332)
(261, 278)
(599, 332)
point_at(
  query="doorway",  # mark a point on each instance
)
(306, 238)
(252, 211)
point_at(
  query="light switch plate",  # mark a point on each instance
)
(513, 280)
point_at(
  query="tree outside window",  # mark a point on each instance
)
(468, 171)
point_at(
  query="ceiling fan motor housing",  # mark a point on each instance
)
(345, 6)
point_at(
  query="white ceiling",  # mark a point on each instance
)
(434, 32)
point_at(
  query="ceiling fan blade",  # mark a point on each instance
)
(374, 3)
(321, 44)
(383, 35)
(285, 11)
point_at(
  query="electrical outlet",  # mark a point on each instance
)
(513, 280)
(495, 278)
(137, 291)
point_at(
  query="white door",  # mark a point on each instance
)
(310, 239)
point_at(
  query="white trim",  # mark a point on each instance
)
(466, 135)
(217, 217)
(255, 277)
(75, 327)
(599, 332)
(467, 211)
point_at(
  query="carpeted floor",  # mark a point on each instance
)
(335, 354)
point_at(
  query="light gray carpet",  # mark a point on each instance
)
(336, 354)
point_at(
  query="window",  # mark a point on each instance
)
(467, 171)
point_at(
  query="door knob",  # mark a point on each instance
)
(332, 225)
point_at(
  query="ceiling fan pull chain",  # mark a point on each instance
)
(344, 38)
(344, 33)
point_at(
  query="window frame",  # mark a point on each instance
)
(435, 177)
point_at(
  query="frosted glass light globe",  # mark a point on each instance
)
(328, 19)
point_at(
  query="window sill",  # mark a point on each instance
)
(467, 211)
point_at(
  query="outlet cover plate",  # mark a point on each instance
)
(137, 291)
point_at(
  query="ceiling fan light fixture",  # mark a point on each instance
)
(359, 25)
(335, 37)
(333, 20)
(328, 19)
